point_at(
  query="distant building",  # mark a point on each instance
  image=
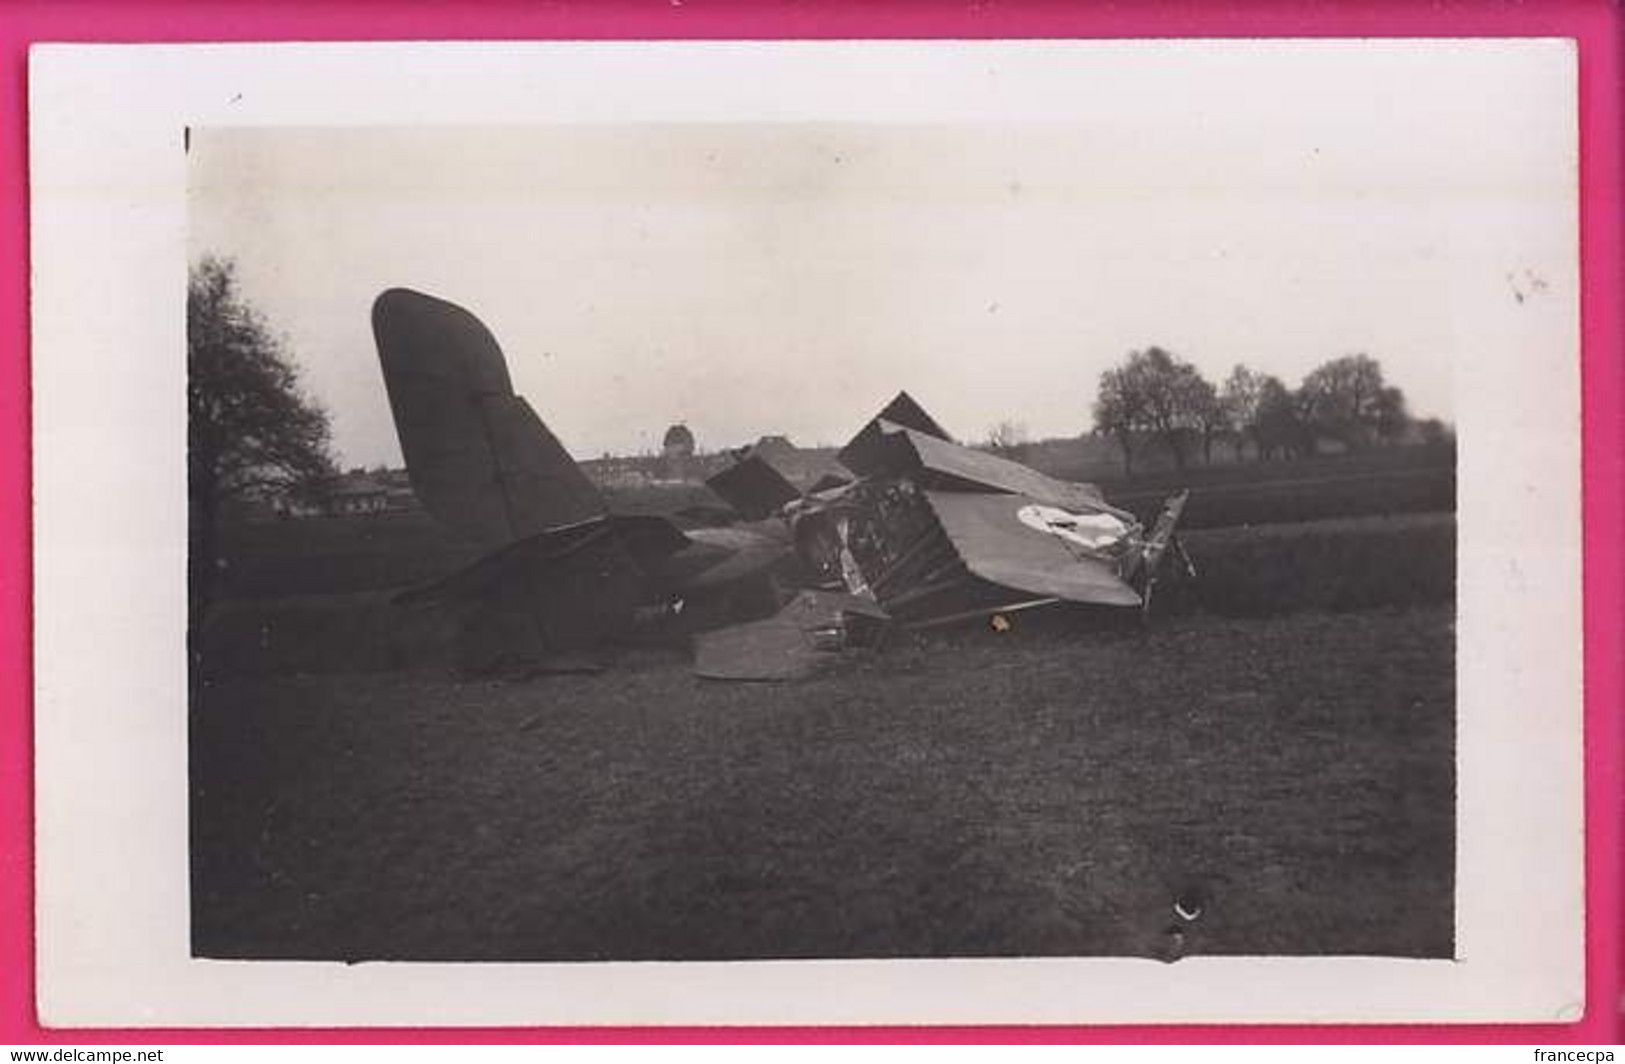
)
(617, 472)
(401, 501)
(677, 454)
(678, 442)
(354, 493)
(398, 494)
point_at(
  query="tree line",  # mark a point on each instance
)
(251, 429)
(1154, 397)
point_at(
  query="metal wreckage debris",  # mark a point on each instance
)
(907, 530)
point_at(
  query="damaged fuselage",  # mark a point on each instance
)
(910, 528)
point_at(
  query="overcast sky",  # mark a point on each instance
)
(749, 279)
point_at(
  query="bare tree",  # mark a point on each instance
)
(1008, 438)
(1393, 416)
(1347, 399)
(1161, 395)
(1117, 412)
(1239, 400)
(1208, 415)
(1435, 433)
(1278, 423)
(252, 433)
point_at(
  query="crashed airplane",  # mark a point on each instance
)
(915, 530)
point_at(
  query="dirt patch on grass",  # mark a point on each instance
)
(1046, 791)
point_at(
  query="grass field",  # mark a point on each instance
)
(1278, 743)
(1046, 791)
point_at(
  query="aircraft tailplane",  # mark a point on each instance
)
(480, 460)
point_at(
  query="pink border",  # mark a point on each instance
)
(1596, 24)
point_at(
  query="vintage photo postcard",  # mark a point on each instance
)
(845, 532)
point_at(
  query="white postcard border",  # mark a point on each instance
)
(109, 275)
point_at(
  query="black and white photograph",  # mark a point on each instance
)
(581, 569)
(796, 536)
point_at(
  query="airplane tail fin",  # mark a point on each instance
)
(480, 460)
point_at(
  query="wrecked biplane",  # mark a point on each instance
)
(911, 529)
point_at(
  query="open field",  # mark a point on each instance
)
(1306, 495)
(1279, 743)
(1045, 791)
